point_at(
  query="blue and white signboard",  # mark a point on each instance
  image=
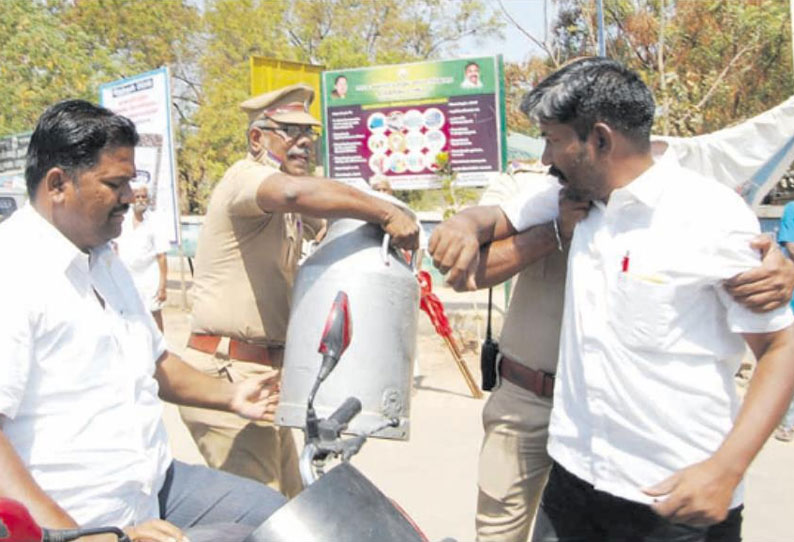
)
(146, 100)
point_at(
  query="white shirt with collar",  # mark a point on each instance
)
(650, 339)
(77, 391)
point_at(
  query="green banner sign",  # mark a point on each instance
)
(395, 121)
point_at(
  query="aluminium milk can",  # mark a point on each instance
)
(377, 367)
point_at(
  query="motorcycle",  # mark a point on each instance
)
(338, 505)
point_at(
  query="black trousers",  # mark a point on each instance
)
(572, 510)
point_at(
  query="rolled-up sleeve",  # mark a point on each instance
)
(246, 184)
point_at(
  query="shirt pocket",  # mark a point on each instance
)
(641, 310)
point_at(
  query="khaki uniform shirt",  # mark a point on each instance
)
(245, 261)
(531, 329)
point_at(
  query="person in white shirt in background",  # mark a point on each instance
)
(644, 393)
(143, 249)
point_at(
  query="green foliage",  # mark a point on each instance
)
(723, 60)
(455, 198)
(42, 61)
(56, 49)
(332, 33)
(140, 35)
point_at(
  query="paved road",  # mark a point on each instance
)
(433, 476)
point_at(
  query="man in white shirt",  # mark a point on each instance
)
(83, 366)
(142, 248)
(645, 387)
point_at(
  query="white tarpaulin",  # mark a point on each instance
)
(751, 156)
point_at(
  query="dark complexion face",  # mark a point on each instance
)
(291, 144)
(89, 206)
(572, 160)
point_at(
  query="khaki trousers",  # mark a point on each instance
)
(257, 450)
(514, 464)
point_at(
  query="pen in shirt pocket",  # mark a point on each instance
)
(624, 264)
(652, 278)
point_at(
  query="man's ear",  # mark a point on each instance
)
(256, 141)
(603, 138)
(55, 183)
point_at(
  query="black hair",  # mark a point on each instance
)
(591, 90)
(71, 134)
(338, 77)
(471, 63)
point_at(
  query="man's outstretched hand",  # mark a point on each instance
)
(256, 398)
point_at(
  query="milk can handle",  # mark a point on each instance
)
(384, 252)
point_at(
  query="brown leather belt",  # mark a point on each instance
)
(538, 382)
(239, 350)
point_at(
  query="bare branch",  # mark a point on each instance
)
(627, 35)
(194, 86)
(718, 80)
(532, 38)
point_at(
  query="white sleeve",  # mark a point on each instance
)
(160, 237)
(733, 155)
(730, 253)
(537, 203)
(16, 346)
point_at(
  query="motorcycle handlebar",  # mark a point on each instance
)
(346, 411)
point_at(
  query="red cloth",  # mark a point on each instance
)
(431, 304)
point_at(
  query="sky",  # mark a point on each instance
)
(515, 46)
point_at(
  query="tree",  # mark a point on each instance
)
(54, 49)
(723, 60)
(332, 33)
(351, 33)
(141, 35)
(43, 61)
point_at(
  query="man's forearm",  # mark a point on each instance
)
(182, 384)
(487, 223)
(319, 197)
(767, 398)
(18, 484)
(162, 264)
(504, 258)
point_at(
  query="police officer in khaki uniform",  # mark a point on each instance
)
(246, 260)
(513, 461)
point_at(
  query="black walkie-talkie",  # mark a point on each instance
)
(488, 353)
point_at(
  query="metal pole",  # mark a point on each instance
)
(602, 47)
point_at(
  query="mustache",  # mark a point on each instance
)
(299, 153)
(557, 173)
(121, 209)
